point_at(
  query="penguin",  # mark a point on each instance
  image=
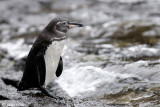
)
(44, 61)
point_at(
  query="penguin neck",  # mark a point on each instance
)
(55, 38)
(59, 32)
(58, 36)
(55, 35)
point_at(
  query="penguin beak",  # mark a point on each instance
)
(72, 25)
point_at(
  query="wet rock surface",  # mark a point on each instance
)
(113, 61)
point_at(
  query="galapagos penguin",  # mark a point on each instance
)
(44, 60)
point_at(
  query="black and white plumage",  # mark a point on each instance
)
(44, 60)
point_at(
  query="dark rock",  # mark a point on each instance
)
(3, 98)
(11, 82)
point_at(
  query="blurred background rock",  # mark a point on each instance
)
(113, 61)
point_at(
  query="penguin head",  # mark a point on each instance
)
(64, 25)
(61, 25)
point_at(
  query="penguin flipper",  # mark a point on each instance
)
(41, 69)
(59, 68)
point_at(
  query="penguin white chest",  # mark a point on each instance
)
(52, 57)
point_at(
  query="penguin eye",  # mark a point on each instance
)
(65, 23)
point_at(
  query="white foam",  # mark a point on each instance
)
(80, 79)
(108, 24)
(143, 48)
(16, 49)
(140, 50)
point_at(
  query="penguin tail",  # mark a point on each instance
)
(14, 83)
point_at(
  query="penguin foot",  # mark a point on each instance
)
(44, 90)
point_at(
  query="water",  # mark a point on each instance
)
(82, 79)
(112, 61)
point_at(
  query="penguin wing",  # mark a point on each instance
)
(35, 69)
(59, 68)
(41, 68)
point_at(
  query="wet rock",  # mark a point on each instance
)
(19, 64)
(131, 33)
(3, 98)
(46, 6)
(113, 60)
(12, 103)
(14, 83)
(4, 21)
